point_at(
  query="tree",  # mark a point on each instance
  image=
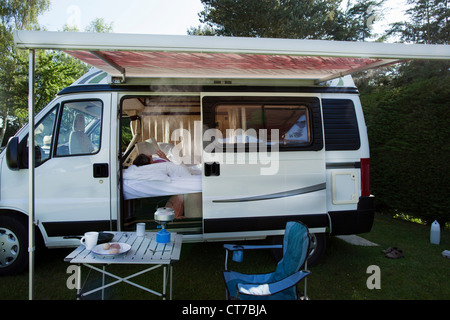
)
(14, 14)
(201, 31)
(297, 19)
(355, 23)
(99, 25)
(428, 23)
(21, 14)
(268, 18)
(409, 141)
(54, 70)
(407, 113)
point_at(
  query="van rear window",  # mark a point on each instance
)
(341, 125)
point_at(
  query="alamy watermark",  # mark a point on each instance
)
(374, 280)
(74, 280)
(238, 146)
(74, 18)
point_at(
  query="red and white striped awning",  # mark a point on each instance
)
(164, 56)
(223, 65)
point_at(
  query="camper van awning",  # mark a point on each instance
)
(169, 56)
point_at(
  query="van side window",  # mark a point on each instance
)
(340, 124)
(43, 133)
(80, 128)
(247, 124)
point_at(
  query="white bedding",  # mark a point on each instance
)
(160, 179)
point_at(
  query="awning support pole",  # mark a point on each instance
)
(111, 63)
(31, 165)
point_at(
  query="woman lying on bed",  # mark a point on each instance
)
(143, 159)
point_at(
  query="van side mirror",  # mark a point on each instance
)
(13, 154)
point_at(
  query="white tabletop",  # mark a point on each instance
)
(144, 250)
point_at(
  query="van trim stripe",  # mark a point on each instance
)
(247, 224)
(284, 194)
(66, 228)
(83, 81)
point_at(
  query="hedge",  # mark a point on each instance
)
(409, 136)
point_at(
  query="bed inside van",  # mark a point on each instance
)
(173, 123)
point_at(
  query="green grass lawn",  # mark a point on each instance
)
(341, 275)
(422, 274)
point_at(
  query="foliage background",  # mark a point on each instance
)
(410, 142)
(54, 69)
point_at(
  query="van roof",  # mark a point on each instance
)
(129, 56)
(102, 80)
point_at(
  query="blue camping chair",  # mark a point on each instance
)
(278, 285)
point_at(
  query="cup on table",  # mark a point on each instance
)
(90, 239)
(140, 229)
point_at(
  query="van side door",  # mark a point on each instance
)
(264, 164)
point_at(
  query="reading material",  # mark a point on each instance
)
(149, 147)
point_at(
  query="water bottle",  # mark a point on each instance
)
(435, 233)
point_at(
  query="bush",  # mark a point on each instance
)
(409, 133)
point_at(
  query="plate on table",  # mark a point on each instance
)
(115, 249)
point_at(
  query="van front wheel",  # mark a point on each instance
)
(13, 247)
(318, 246)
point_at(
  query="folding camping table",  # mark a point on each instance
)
(144, 251)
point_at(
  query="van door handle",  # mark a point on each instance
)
(212, 169)
(101, 170)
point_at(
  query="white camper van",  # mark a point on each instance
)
(244, 160)
(247, 154)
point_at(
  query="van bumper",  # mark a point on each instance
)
(353, 221)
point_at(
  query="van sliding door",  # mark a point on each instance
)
(264, 165)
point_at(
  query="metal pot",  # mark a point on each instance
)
(164, 214)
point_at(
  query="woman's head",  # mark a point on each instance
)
(142, 160)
